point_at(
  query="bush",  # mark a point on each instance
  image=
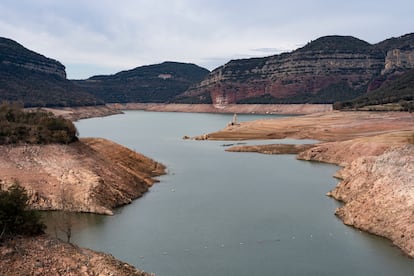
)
(15, 219)
(34, 127)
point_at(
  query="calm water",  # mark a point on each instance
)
(220, 213)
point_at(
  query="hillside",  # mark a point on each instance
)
(35, 80)
(394, 95)
(151, 83)
(326, 70)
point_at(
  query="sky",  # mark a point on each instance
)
(94, 37)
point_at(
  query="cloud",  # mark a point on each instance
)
(97, 36)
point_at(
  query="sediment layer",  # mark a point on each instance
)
(229, 108)
(96, 175)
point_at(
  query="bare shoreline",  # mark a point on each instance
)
(376, 151)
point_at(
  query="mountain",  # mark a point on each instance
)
(397, 94)
(35, 80)
(326, 70)
(151, 83)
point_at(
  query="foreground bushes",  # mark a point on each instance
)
(34, 127)
(15, 219)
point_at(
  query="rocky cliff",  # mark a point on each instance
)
(14, 54)
(326, 70)
(35, 80)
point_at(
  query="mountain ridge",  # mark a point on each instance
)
(148, 83)
(35, 80)
(343, 66)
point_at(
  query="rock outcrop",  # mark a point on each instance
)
(97, 175)
(329, 69)
(35, 80)
(377, 186)
(13, 54)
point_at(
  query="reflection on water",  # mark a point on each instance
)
(57, 222)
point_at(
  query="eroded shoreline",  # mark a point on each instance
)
(96, 174)
(376, 151)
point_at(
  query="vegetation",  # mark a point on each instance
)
(157, 83)
(33, 127)
(336, 43)
(37, 81)
(15, 219)
(396, 95)
(327, 95)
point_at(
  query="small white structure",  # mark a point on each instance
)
(233, 121)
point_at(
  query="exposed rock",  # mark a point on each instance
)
(44, 255)
(329, 69)
(98, 174)
(231, 108)
(13, 54)
(35, 80)
(376, 151)
(272, 149)
(376, 187)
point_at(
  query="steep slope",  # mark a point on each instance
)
(96, 175)
(35, 80)
(329, 69)
(397, 94)
(152, 83)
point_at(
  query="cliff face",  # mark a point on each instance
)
(328, 69)
(35, 80)
(14, 54)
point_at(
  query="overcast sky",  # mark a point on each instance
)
(93, 37)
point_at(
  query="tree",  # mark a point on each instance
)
(15, 218)
(63, 219)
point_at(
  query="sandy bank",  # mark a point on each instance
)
(376, 151)
(47, 256)
(96, 174)
(231, 108)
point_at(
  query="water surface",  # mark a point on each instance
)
(220, 213)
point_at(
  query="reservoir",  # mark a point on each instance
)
(222, 213)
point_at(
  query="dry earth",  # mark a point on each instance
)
(93, 175)
(47, 256)
(96, 174)
(83, 112)
(230, 108)
(376, 151)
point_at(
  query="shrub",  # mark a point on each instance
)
(34, 127)
(15, 218)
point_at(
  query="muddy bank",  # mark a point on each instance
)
(376, 151)
(231, 108)
(48, 256)
(97, 175)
